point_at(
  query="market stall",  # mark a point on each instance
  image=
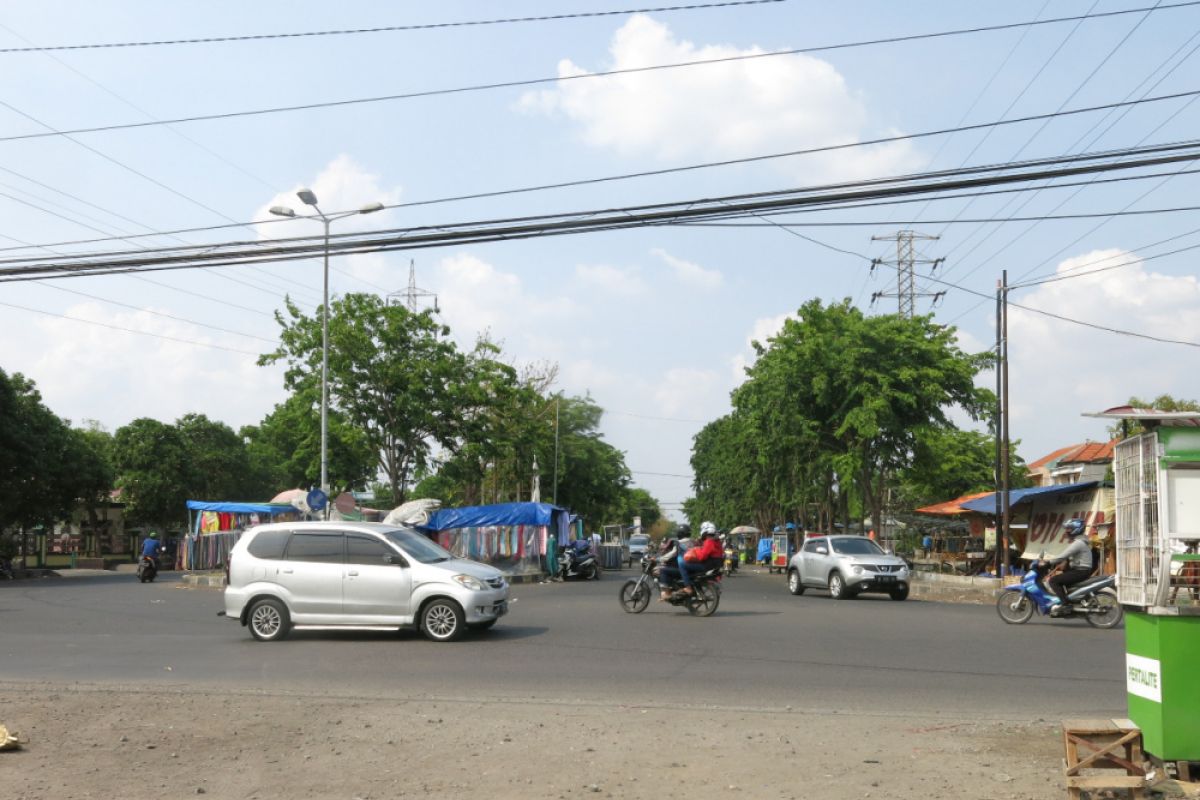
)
(214, 528)
(509, 536)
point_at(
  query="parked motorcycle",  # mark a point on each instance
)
(636, 594)
(579, 562)
(1093, 599)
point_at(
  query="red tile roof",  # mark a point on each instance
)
(951, 507)
(1090, 453)
(1055, 456)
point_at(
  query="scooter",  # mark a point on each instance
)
(147, 569)
(578, 562)
(731, 560)
(702, 601)
(1093, 599)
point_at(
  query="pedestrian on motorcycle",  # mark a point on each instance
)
(669, 560)
(1074, 565)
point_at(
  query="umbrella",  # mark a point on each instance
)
(745, 529)
(288, 496)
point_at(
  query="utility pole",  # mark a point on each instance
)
(413, 295)
(1003, 511)
(905, 263)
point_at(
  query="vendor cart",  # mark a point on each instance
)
(780, 552)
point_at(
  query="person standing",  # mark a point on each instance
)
(552, 556)
(927, 545)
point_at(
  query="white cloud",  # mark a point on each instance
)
(613, 280)
(682, 392)
(689, 273)
(144, 376)
(1059, 370)
(343, 185)
(719, 111)
(761, 331)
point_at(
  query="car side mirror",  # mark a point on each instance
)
(822, 551)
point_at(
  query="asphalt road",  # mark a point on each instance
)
(762, 649)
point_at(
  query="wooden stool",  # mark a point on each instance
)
(1107, 744)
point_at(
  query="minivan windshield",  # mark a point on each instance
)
(855, 547)
(418, 546)
(639, 538)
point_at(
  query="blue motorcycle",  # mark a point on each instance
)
(1093, 599)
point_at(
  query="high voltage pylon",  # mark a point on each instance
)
(413, 295)
(905, 263)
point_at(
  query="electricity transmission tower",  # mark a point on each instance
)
(413, 295)
(905, 263)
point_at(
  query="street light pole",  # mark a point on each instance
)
(309, 198)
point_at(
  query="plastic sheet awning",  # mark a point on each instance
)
(987, 503)
(499, 514)
(271, 509)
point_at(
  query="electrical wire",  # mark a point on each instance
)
(129, 330)
(388, 28)
(611, 219)
(562, 78)
(975, 221)
(630, 175)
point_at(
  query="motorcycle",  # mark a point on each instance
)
(1093, 599)
(730, 565)
(147, 568)
(579, 562)
(636, 594)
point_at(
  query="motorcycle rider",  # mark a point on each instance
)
(669, 568)
(708, 554)
(1073, 566)
(150, 547)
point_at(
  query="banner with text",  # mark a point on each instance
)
(1095, 506)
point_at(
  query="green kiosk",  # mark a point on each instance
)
(1157, 477)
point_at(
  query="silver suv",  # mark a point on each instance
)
(847, 565)
(357, 575)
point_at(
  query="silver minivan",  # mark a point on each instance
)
(362, 575)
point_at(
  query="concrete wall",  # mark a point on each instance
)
(956, 588)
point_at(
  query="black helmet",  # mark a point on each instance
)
(1073, 527)
(684, 531)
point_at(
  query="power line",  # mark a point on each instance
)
(563, 78)
(975, 221)
(129, 330)
(628, 175)
(386, 29)
(610, 219)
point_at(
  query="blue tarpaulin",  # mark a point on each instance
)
(987, 503)
(500, 514)
(270, 509)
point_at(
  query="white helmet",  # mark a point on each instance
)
(707, 528)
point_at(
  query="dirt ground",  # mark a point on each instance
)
(105, 742)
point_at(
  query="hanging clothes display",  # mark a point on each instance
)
(511, 536)
(214, 528)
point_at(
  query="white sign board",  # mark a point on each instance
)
(1096, 507)
(1143, 677)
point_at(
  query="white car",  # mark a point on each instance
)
(846, 566)
(327, 575)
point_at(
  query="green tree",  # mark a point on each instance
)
(396, 377)
(284, 449)
(949, 463)
(1125, 428)
(833, 411)
(152, 463)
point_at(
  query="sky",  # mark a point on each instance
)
(655, 324)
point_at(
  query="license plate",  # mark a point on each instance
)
(885, 578)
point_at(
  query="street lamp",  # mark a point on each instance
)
(308, 198)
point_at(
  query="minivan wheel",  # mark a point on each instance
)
(794, 584)
(268, 620)
(442, 620)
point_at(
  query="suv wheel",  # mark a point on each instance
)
(837, 587)
(794, 584)
(442, 620)
(268, 620)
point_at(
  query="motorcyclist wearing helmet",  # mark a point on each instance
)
(151, 546)
(1074, 565)
(703, 557)
(669, 568)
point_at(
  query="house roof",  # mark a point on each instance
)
(987, 503)
(1090, 453)
(1055, 456)
(951, 507)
